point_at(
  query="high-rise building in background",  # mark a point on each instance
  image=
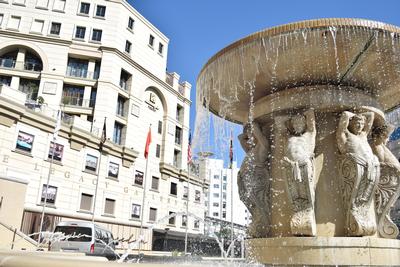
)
(218, 199)
(101, 63)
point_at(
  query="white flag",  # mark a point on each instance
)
(58, 125)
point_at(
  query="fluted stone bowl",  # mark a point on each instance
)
(356, 57)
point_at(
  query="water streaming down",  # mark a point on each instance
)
(330, 66)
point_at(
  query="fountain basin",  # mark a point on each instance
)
(331, 251)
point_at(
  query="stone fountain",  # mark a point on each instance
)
(318, 178)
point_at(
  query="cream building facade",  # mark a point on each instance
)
(221, 195)
(100, 63)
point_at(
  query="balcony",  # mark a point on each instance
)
(9, 63)
(82, 73)
(78, 101)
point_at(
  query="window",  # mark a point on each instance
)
(100, 11)
(131, 22)
(86, 202)
(84, 9)
(50, 192)
(178, 135)
(37, 26)
(135, 214)
(58, 151)
(177, 158)
(1, 19)
(59, 5)
(185, 192)
(224, 214)
(196, 224)
(117, 135)
(184, 220)
(25, 142)
(216, 185)
(80, 32)
(128, 46)
(55, 28)
(91, 163)
(216, 195)
(215, 214)
(125, 80)
(224, 178)
(216, 176)
(197, 196)
(151, 40)
(224, 186)
(120, 106)
(171, 220)
(139, 178)
(215, 204)
(113, 169)
(42, 3)
(109, 206)
(13, 22)
(173, 189)
(153, 214)
(96, 35)
(155, 182)
(159, 129)
(223, 195)
(224, 205)
(179, 113)
(158, 151)
(160, 48)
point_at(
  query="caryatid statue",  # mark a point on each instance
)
(359, 169)
(388, 189)
(254, 179)
(298, 168)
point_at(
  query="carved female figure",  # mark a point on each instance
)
(388, 189)
(254, 179)
(298, 166)
(359, 169)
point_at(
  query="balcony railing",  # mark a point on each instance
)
(19, 65)
(78, 101)
(82, 73)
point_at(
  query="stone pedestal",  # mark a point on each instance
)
(325, 251)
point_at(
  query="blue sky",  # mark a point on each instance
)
(197, 29)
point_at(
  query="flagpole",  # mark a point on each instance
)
(58, 123)
(187, 209)
(102, 140)
(232, 232)
(144, 187)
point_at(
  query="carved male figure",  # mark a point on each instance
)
(254, 179)
(388, 189)
(359, 170)
(298, 166)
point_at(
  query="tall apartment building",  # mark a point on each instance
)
(219, 199)
(100, 62)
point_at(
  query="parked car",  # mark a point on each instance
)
(86, 237)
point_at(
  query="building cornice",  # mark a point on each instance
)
(168, 170)
(146, 72)
(32, 37)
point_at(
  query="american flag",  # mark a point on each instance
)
(231, 151)
(189, 155)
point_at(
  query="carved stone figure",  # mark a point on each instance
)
(254, 179)
(388, 189)
(298, 167)
(359, 170)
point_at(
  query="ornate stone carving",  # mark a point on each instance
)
(388, 189)
(359, 171)
(298, 170)
(254, 180)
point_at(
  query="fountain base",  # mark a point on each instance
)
(325, 251)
